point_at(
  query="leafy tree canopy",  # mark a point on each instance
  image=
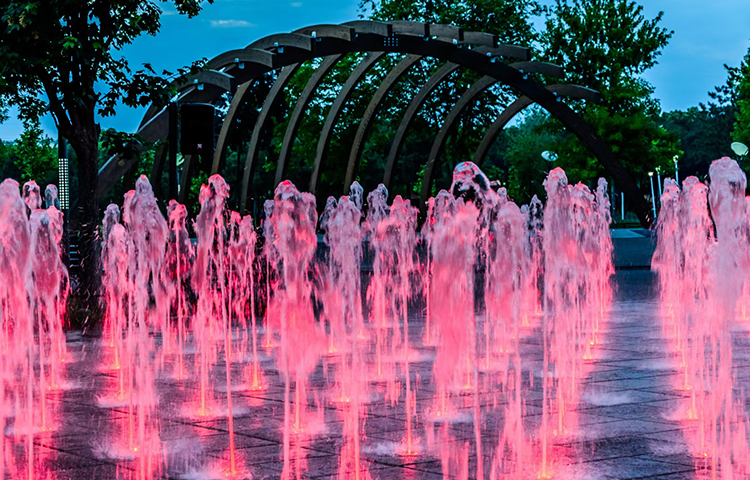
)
(739, 78)
(606, 45)
(707, 130)
(63, 57)
(54, 54)
(35, 155)
(509, 19)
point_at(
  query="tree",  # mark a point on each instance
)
(62, 57)
(34, 154)
(607, 45)
(509, 19)
(706, 131)
(738, 84)
(705, 134)
(526, 168)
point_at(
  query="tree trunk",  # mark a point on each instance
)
(85, 141)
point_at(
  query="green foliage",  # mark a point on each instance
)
(130, 145)
(51, 56)
(705, 135)
(526, 167)
(35, 155)
(63, 57)
(507, 18)
(740, 79)
(706, 131)
(3, 110)
(200, 179)
(606, 45)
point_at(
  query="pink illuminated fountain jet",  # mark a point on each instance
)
(402, 336)
(701, 259)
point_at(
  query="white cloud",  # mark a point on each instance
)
(296, 4)
(231, 23)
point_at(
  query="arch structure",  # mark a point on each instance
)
(236, 71)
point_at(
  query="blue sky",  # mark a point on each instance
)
(706, 35)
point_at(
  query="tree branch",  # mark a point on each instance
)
(55, 105)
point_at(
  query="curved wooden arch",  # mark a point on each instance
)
(279, 41)
(550, 102)
(234, 105)
(364, 124)
(250, 59)
(437, 146)
(153, 130)
(411, 112)
(385, 37)
(572, 91)
(328, 30)
(260, 124)
(303, 102)
(243, 58)
(357, 75)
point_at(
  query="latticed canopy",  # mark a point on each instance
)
(235, 72)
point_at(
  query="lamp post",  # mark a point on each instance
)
(658, 182)
(676, 170)
(653, 197)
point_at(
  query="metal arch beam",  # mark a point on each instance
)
(273, 96)
(294, 121)
(437, 146)
(344, 94)
(364, 124)
(572, 91)
(411, 112)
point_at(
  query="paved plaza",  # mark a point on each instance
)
(629, 415)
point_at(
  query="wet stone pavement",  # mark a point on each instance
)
(628, 415)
